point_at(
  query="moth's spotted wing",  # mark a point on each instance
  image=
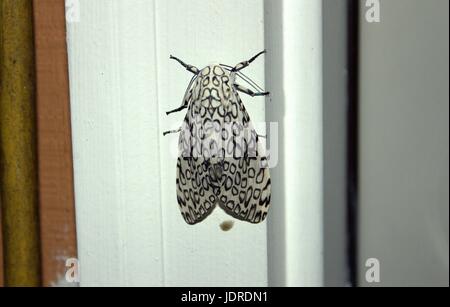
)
(246, 188)
(195, 191)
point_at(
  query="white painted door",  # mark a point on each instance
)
(130, 231)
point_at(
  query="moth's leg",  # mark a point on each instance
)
(177, 109)
(244, 64)
(247, 91)
(172, 131)
(185, 104)
(188, 67)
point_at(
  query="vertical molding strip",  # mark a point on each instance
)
(18, 161)
(56, 195)
(353, 50)
(335, 115)
(1, 248)
(294, 70)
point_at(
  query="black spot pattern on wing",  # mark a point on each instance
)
(195, 189)
(246, 193)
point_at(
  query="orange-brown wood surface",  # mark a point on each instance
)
(56, 193)
(1, 250)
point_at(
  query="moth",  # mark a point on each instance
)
(221, 159)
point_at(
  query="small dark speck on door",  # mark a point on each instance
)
(226, 225)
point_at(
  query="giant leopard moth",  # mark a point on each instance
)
(221, 160)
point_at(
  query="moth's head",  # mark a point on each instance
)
(214, 86)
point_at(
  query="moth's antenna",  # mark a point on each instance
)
(250, 81)
(190, 84)
(245, 78)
